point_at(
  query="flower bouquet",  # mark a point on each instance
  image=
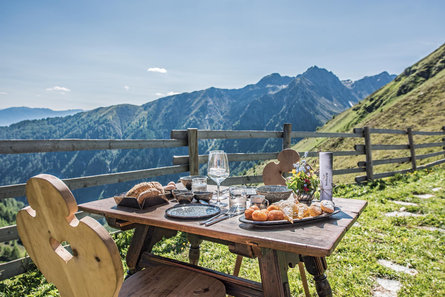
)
(304, 183)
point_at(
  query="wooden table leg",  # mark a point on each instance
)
(144, 238)
(273, 269)
(304, 279)
(194, 252)
(317, 266)
(238, 262)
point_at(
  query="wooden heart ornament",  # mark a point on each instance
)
(273, 172)
(93, 267)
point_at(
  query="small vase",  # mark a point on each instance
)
(305, 198)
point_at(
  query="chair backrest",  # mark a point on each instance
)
(93, 267)
(273, 172)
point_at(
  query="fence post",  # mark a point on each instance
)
(411, 148)
(368, 151)
(287, 130)
(192, 137)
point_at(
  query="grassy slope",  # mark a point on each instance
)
(410, 100)
(353, 267)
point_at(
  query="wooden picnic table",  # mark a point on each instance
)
(276, 248)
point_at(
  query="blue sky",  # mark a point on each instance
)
(86, 54)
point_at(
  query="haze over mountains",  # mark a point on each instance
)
(307, 101)
(13, 115)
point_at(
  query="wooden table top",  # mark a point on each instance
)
(318, 238)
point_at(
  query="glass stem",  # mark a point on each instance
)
(217, 191)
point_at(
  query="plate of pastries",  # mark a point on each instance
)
(289, 211)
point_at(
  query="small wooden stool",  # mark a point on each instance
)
(94, 267)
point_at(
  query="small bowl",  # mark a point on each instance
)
(184, 197)
(187, 180)
(204, 196)
(176, 192)
(274, 193)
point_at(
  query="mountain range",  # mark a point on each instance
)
(13, 115)
(415, 98)
(306, 101)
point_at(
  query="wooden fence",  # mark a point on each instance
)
(190, 163)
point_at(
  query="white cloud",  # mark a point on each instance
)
(126, 88)
(157, 69)
(172, 93)
(58, 89)
(3, 93)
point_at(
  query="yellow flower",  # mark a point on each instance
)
(293, 171)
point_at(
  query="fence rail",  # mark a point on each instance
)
(190, 163)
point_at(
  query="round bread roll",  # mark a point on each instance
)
(315, 210)
(255, 207)
(259, 215)
(275, 215)
(248, 213)
(327, 206)
(273, 207)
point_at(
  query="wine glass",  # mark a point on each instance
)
(218, 170)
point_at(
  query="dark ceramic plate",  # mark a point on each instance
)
(286, 222)
(192, 211)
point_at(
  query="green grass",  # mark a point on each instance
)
(353, 267)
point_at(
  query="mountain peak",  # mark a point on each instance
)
(274, 79)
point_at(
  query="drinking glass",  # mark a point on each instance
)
(218, 170)
(199, 184)
(237, 198)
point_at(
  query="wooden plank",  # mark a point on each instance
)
(425, 156)
(287, 130)
(238, 134)
(368, 151)
(308, 134)
(8, 233)
(427, 133)
(360, 148)
(63, 145)
(348, 171)
(385, 161)
(235, 286)
(384, 147)
(178, 134)
(391, 173)
(387, 131)
(98, 180)
(412, 148)
(192, 141)
(360, 179)
(425, 145)
(435, 163)
(241, 180)
(15, 267)
(237, 157)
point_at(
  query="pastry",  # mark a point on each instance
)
(327, 206)
(315, 210)
(275, 215)
(303, 211)
(259, 215)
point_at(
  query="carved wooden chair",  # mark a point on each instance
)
(93, 267)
